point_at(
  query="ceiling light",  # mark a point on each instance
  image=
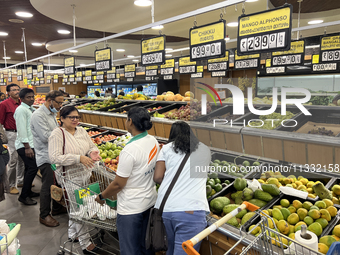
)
(19, 21)
(73, 51)
(3, 33)
(63, 32)
(232, 24)
(19, 52)
(168, 55)
(249, 1)
(120, 50)
(143, 3)
(130, 56)
(169, 49)
(158, 27)
(313, 22)
(24, 14)
(135, 60)
(227, 38)
(6, 57)
(37, 44)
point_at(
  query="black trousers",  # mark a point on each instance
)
(45, 193)
(31, 170)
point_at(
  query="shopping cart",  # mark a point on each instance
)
(269, 241)
(7, 240)
(88, 219)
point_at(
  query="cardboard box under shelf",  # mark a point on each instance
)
(313, 125)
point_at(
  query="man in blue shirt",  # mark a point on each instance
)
(24, 144)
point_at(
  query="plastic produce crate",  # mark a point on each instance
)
(324, 178)
(292, 198)
(230, 189)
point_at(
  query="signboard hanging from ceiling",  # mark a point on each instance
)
(185, 66)
(9, 76)
(55, 78)
(103, 59)
(69, 65)
(48, 79)
(207, 41)
(151, 71)
(40, 70)
(168, 67)
(153, 50)
(330, 49)
(246, 61)
(79, 75)
(130, 71)
(199, 73)
(29, 72)
(19, 75)
(294, 56)
(265, 31)
(219, 66)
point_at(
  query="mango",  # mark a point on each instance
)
(297, 204)
(298, 183)
(311, 195)
(287, 181)
(283, 227)
(294, 185)
(315, 214)
(291, 230)
(336, 189)
(277, 207)
(320, 204)
(298, 225)
(323, 248)
(307, 205)
(302, 212)
(310, 190)
(270, 212)
(310, 184)
(285, 203)
(325, 214)
(328, 240)
(256, 230)
(285, 212)
(336, 231)
(302, 187)
(309, 220)
(292, 209)
(314, 207)
(304, 181)
(273, 181)
(328, 202)
(323, 222)
(293, 219)
(336, 238)
(277, 214)
(332, 211)
(316, 228)
(335, 201)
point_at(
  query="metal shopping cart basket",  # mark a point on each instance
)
(87, 217)
(268, 241)
(7, 240)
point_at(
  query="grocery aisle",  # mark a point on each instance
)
(35, 238)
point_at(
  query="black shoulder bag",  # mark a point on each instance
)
(156, 237)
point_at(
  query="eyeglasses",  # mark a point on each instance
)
(59, 103)
(73, 117)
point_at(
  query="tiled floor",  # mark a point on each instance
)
(35, 238)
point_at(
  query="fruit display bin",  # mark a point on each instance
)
(108, 132)
(130, 106)
(239, 160)
(221, 113)
(329, 229)
(291, 199)
(330, 119)
(251, 116)
(117, 105)
(101, 130)
(334, 181)
(231, 189)
(167, 108)
(324, 178)
(222, 179)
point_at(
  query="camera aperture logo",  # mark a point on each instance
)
(238, 104)
(204, 97)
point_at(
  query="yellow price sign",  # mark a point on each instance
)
(29, 70)
(65, 76)
(185, 61)
(55, 77)
(19, 72)
(153, 44)
(100, 73)
(199, 69)
(48, 77)
(83, 193)
(71, 76)
(315, 59)
(268, 62)
(151, 67)
(69, 62)
(79, 74)
(130, 68)
(216, 60)
(102, 55)
(169, 63)
(88, 73)
(237, 57)
(117, 75)
(40, 68)
(296, 47)
(330, 43)
(208, 33)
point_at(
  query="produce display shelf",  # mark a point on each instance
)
(117, 105)
(328, 230)
(130, 106)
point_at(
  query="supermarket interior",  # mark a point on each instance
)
(169, 127)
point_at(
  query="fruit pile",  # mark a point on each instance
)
(321, 131)
(288, 218)
(97, 105)
(274, 120)
(110, 154)
(232, 168)
(224, 205)
(326, 241)
(187, 112)
(170, 96)
(154, 109)
(215, 185)
(335, 191)
(300, 183)
(105, 138)
(93, 133)
(39, 99)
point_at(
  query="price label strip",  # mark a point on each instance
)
(330, 49)
(48, 79)
(294, 56)
(100, 75)
(29, 72)
(130, 71)
(55, 78)
(199, 73)
(219, 64)
(275, 70)
(207, 41)
(111, 74)
(246, 61)
(79, 76)
(186, 66)
(103, 59)
(40, 70)
(88, 75)
(9, 76)
(167, 77)
(71, 78)
(153, 50)
(69, 65)
(265, 31)
(168, 67)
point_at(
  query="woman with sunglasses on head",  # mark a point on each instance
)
(70, 147)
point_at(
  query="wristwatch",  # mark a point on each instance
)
(101, 196)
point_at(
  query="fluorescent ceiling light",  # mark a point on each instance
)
(135, 60)
(232, 24)
(73, 51)
(19, 52)
(3, 33)
(120, 50)
(24, 14)
(63, 32)
(6, 57)
(130, 56)
(37, 44)
(168, 55)
(143, 3)
(158, 27)
(313, 22)
(169, 49)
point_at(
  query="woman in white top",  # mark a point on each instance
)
(184, 213)
(80, 151)
(134, 185)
